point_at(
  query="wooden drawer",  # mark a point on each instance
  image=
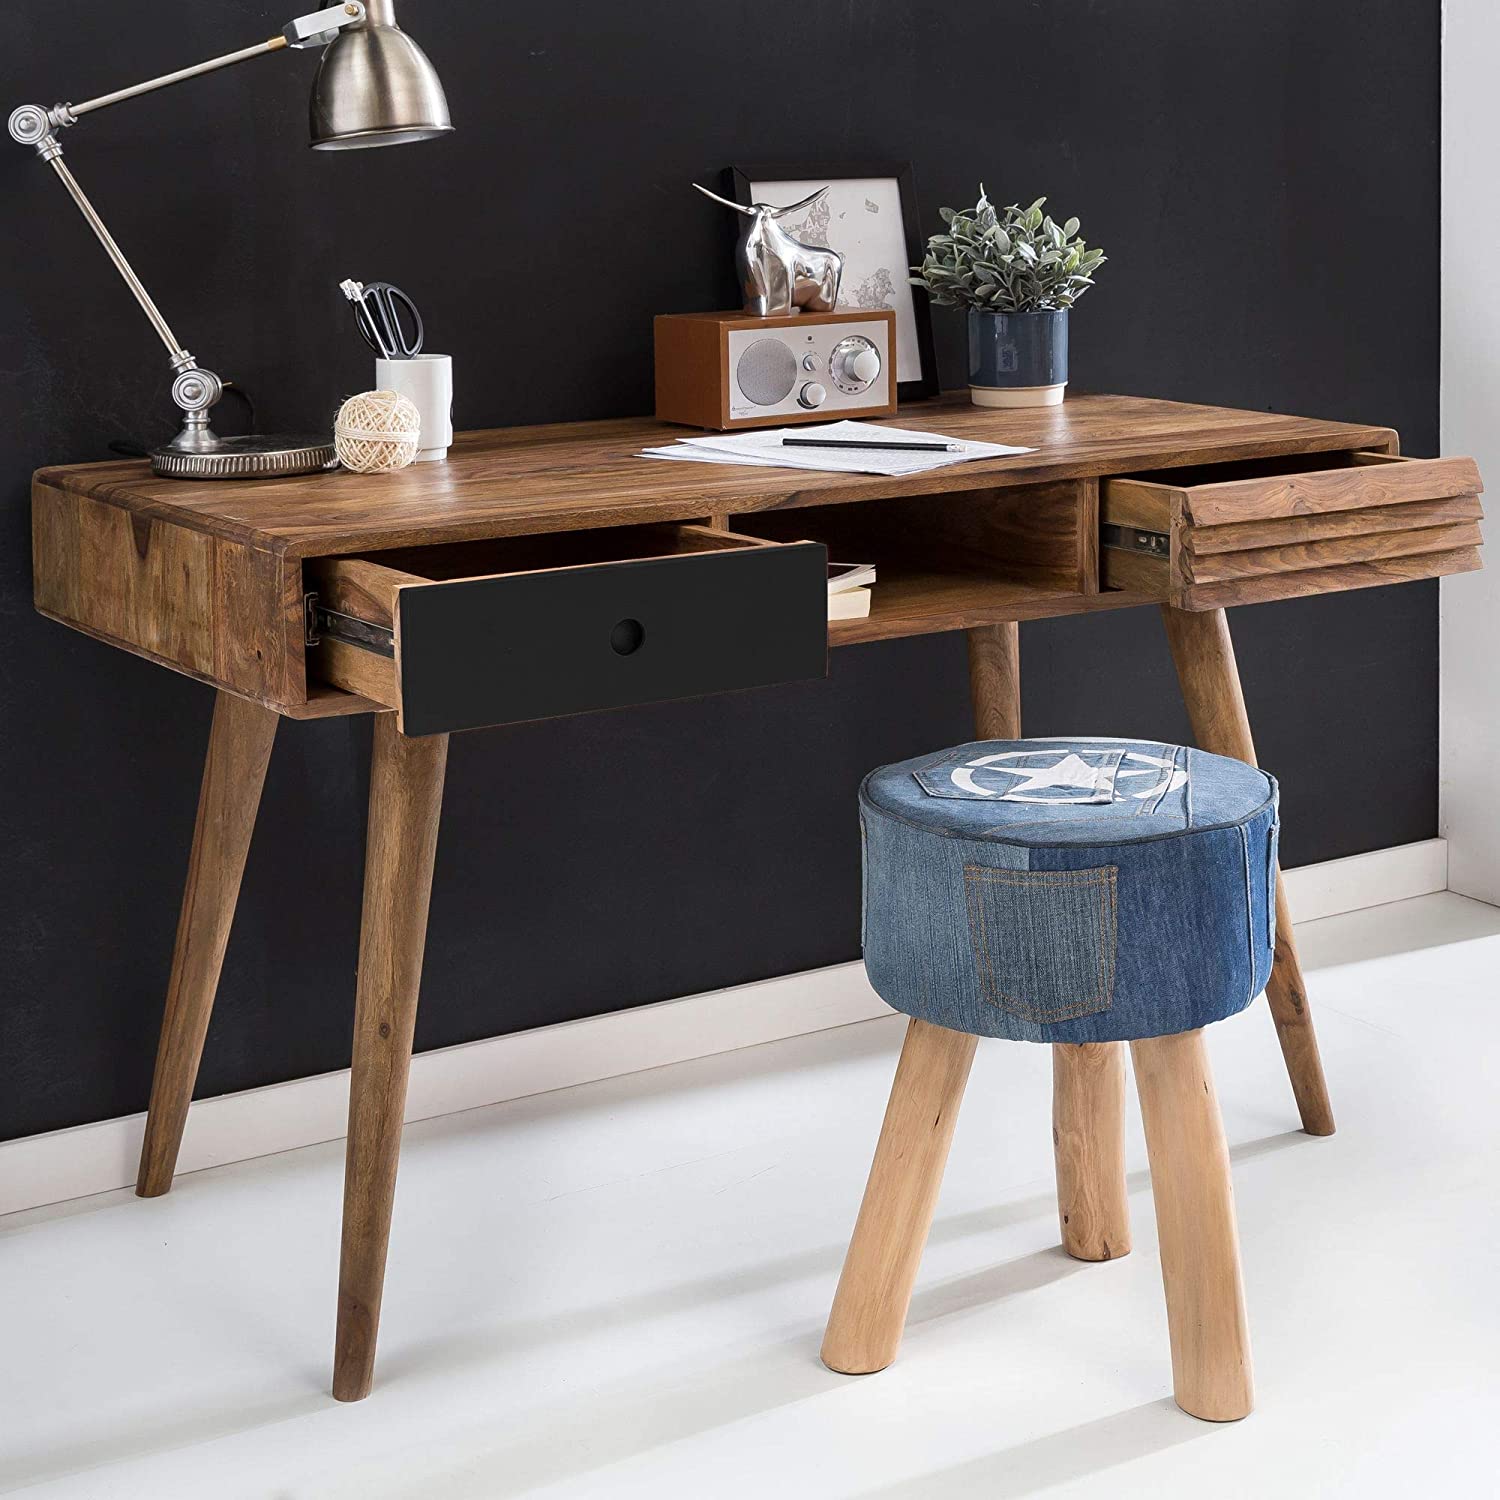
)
(1278, 528)
(496, 632)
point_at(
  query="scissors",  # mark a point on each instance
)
(379, 317)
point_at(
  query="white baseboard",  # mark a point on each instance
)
(1361, 880)
(41, 1169)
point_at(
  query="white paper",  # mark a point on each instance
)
(696, 457)
(764, 449)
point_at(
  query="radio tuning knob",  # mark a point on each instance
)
(812, 394)
(865, 366)
(855, 364)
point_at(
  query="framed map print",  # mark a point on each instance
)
(869, 215)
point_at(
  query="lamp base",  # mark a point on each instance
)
(249, 457)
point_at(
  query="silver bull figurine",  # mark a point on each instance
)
(779, 274)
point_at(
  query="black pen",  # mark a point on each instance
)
(862, 443)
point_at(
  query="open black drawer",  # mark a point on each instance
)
(497, 632)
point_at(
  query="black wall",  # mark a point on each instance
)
(1262, 173)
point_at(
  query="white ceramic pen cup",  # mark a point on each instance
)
(427, 381)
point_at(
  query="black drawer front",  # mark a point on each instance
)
(540, 645)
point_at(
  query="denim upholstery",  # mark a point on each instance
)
(1069, 890)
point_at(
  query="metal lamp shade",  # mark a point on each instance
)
(376, 87)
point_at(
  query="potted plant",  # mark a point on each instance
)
(1018, 273)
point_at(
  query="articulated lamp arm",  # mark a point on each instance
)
(194, 389)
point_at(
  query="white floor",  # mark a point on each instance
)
(618, 1290)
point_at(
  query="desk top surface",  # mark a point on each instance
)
(517, 480)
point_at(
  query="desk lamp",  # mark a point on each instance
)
(374, 87)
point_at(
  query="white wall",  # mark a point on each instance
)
(1470, 692)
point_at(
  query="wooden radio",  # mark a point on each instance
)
(728, 370)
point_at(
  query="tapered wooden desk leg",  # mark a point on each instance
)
(1200, 1251)
(869, 1308)
(995, 680)
(1088, 1082)
(1088, 1140)
(1204, 654)
(406, 795)
(239, 749)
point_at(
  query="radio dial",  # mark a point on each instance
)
(812, 394)
(855, 365)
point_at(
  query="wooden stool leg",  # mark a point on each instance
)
(1200, 1253)
(1088, 1082)
(1088, 1140)
(239, 749)
(1204, 655)
(406, 795)
(869, 1308)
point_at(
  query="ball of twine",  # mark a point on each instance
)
(377, 431)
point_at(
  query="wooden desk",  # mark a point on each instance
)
(546, 570)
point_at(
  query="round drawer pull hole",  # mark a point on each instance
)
(627, 637)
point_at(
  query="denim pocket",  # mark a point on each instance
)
(1044, 940)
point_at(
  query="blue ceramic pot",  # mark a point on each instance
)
(1018, 359)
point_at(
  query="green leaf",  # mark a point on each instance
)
(1006, 259)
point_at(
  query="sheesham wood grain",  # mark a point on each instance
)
(1352, 488)
(995, 681)
(360, 587)
(1150, 577)
(1024, 533)
(525, 484)
(365, 673)
(1374, 519)
(924, 603)
(239, 750)
(1203, 541)
(1358, 481)
(1203, 652)
(1090, 579)
(1359, 575)
(1333, 552)
(323, 701)
(406, 798)
(511, 481)
(211, 606)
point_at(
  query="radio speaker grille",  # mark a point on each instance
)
(766, 372)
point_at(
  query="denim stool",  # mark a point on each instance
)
(1081, 892)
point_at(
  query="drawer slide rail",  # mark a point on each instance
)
(1134, 539)
(323, 622)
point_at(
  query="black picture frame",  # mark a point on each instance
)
(740, 180)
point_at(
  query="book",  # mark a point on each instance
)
(842, 576)
(849, 604)
(849, 590)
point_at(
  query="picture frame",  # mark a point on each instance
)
(875, 203)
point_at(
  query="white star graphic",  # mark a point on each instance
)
(1072, 770)
(1096, 783)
